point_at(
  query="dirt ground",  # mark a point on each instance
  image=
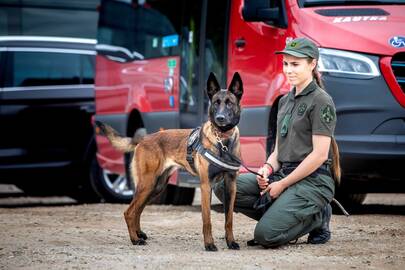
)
(56, 233)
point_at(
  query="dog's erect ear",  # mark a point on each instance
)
(212, 86)
(236, 86)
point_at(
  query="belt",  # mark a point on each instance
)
(324, 169)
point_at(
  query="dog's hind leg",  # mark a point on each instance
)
(229, 201)
(132, 215)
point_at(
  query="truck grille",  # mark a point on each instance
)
(398, 67)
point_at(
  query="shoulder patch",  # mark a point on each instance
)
(301, 109)
(327, 114)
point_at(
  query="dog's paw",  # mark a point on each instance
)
(142, 235)
(233, 245)
(138, 242)
(211, 247)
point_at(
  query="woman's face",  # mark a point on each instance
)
(298, 70)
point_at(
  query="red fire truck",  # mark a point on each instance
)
(154, 58)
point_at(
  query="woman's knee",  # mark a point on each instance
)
(268, 237)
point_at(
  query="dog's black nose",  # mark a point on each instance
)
(220, 118)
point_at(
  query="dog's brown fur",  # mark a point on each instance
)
(158, 155)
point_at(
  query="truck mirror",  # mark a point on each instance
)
(271, 11)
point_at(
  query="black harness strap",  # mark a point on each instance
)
(194, 143)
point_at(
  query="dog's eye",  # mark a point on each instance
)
(217, 102)
(228, 103)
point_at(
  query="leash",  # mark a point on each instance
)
(224, 149)
(341, 207)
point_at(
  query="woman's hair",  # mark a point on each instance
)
(336, 171)
(316, 74)
(335, 161)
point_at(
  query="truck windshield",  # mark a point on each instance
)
(313, 3)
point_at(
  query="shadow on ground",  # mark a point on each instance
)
(17, 200)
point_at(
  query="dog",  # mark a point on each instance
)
(212, 152)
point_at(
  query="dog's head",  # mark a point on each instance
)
(224, 110)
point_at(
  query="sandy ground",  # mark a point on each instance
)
(56, 233)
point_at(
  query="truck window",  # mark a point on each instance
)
(143, 31)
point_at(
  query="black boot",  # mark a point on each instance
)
(322, 234)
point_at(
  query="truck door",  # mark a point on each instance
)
(138, 62)
(204, 43)
(251, 51)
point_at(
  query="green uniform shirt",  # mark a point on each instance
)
(312, 112)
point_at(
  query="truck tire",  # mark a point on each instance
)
(111, 187)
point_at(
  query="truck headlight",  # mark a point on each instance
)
(344, 63)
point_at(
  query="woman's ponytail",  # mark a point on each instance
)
(335, 167)
(336, 171)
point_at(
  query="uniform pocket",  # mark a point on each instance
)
(312, 201)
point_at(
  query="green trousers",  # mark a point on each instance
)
(296, 212)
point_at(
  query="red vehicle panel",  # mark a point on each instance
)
(164, 59)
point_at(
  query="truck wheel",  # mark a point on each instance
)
(179, 195)
(110, 186)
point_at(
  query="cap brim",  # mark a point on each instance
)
(293, 53)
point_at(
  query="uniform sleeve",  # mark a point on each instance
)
(323, 116)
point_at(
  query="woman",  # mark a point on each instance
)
(301, 185)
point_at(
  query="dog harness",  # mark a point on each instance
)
(225, 161)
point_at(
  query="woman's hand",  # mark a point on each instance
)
(275, 189)
(263, 181)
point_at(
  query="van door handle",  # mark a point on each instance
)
(240, 43)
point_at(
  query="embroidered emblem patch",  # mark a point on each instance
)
(293, 44)
(327, 114)
(301, 109)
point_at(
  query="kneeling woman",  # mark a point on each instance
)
(302, 163)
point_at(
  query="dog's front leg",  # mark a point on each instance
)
(206, 213)
(229, 201)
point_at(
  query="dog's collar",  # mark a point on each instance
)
(220, 134)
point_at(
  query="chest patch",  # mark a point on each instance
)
(327, 114)
(301, 109)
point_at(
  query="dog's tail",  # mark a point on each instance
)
(123, 144)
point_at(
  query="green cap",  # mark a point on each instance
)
(301, 47)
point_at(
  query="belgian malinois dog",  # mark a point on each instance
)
(156, 156)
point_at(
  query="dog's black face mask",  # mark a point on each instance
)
(224, 110)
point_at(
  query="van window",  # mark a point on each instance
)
(147, 31)
(43, 68)
(62, 18)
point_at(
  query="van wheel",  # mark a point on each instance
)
(111, 187)
(179, 195)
